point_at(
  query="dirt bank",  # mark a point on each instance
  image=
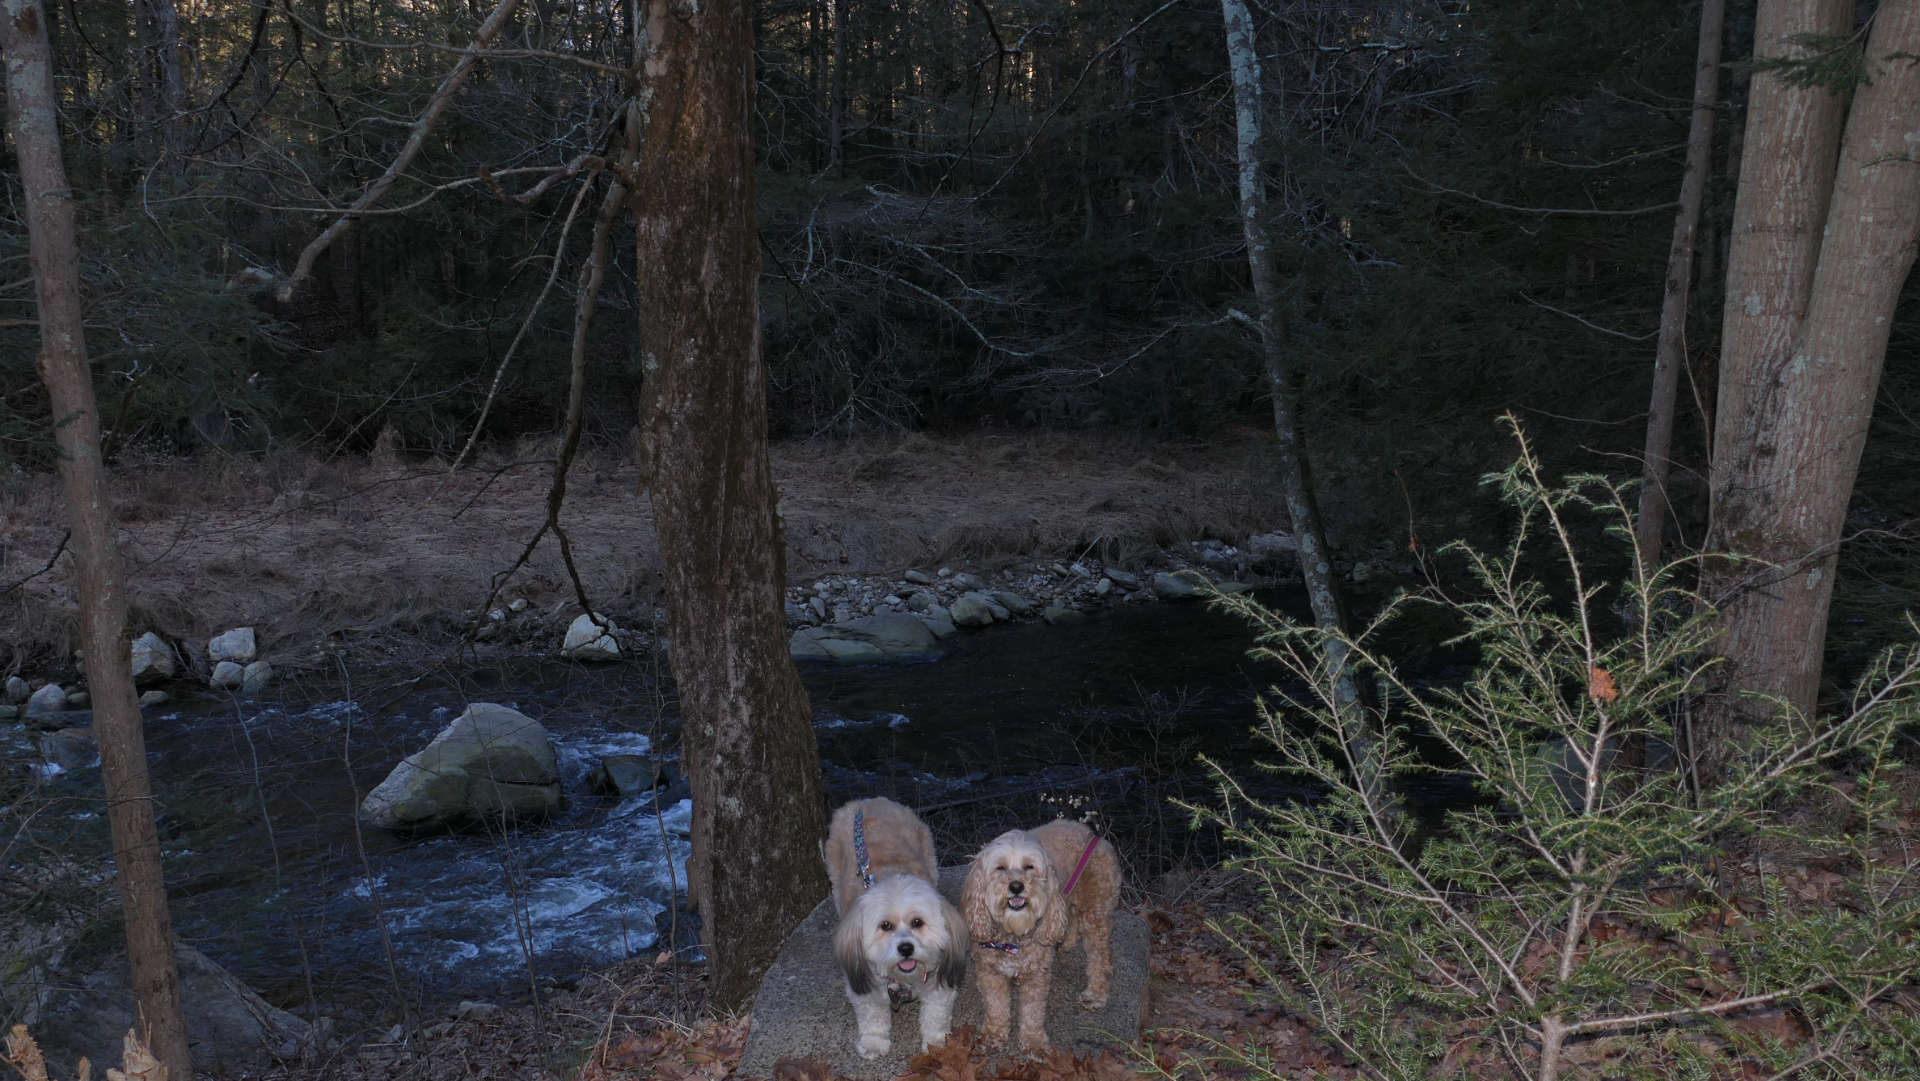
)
(376, 555)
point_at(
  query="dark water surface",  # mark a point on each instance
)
(272, 876)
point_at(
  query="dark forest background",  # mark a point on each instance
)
(972, 214)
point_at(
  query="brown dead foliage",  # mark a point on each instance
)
(136, 1062)
(312, 548)
(706, 1051)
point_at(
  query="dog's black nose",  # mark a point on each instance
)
(1016, 886)
(906, 949)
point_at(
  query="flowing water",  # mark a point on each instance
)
(272, 875)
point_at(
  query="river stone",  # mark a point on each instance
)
(58, 719)
(939, 621)
(255, 677)
(586, 641)
(805, 646)
(491, 761)
(152, 698)
(9, 712)
(922, 601)
(852, 651)
(1013, 602)
(1123, 579)
(1182, 585)
(919, 578)
(897, 636)
(16, 692)
(236, 645)
(1273, 546)
(624, 775)
(48, 699)
(153, 659)
(228, 675)
(79, 699)
(70, 748)
(476, 1011)
(973, 609)
(969, 580)
(1056, 615)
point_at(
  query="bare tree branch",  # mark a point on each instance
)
(417, 139)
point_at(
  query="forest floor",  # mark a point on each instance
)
(384, 560)
(649, 1020)
(383, 557)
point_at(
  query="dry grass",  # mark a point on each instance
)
(304, 547)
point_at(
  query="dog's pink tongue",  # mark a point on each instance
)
(906, 964)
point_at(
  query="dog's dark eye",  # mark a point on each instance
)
(886, 925)
(918, 923)
(1026, 867)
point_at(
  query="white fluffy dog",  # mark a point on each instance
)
(897, 938)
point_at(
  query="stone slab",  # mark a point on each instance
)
(801, 1010)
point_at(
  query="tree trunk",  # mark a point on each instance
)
(1671, 352)
(1316, 560)
(1786, 176)
(162, 83)
(1783, 474)
(747, 732)
(1316, 563)
(837, 87)
(55, 263)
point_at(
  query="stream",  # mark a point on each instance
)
(271, 874)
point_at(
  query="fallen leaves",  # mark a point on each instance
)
(137, 1062)
(707, 1051)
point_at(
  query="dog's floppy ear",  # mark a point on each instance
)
(952, 969)
(850, 950)
(973, 901)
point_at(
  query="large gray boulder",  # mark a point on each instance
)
(153, 659)
(69, 748)
(883, 636)
(491, 762)
(46, 701)
(63, 974)
(231, 1030)
(255, 677)
(974, 609)
(1182, 585)
(1273, 547)
(587, 640)
(625, 775)
(237, 645)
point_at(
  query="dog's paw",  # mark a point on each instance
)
(994, 1035)
(1034, 1041)
(873, 1046)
